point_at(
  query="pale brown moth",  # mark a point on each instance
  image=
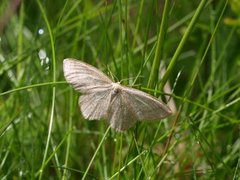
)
(101, 98)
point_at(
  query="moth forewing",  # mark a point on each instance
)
(82, 76)
(146, 106)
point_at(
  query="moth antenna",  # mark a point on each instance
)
(133, 82)
(113, 76)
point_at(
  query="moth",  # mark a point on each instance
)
(101, 98)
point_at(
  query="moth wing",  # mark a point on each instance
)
(145, 106)
(94, 106)
(84, 77)
(119, 116)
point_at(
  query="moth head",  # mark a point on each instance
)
(116, 87)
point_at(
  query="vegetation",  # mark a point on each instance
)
(194, 45)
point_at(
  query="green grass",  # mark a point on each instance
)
(42, 132)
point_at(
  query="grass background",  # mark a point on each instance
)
(42, 132)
